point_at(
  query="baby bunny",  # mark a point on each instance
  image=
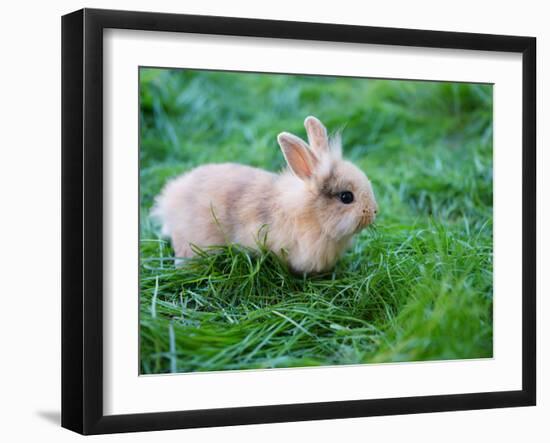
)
(307, 214)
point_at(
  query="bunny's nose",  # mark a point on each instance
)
(370, 211)
(367, 217)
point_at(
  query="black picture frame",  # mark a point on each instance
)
(82, 219)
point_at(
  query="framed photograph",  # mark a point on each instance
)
(268, 221)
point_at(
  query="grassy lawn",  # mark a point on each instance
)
(416, 286)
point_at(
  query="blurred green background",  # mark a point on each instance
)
(417, 286)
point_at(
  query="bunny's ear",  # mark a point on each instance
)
(317, 135)
(300, 159)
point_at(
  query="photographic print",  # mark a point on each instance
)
(298, 220)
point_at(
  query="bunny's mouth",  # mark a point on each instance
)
(364, 221)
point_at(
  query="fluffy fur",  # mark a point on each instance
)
(298, 213)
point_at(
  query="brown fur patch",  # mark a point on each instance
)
(263, 211)
(232, 198)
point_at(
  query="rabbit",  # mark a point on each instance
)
(307, 214)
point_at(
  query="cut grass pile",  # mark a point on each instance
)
(417, 286)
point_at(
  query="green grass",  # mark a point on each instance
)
(417, 286)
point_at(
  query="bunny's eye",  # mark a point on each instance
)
(346, 197)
